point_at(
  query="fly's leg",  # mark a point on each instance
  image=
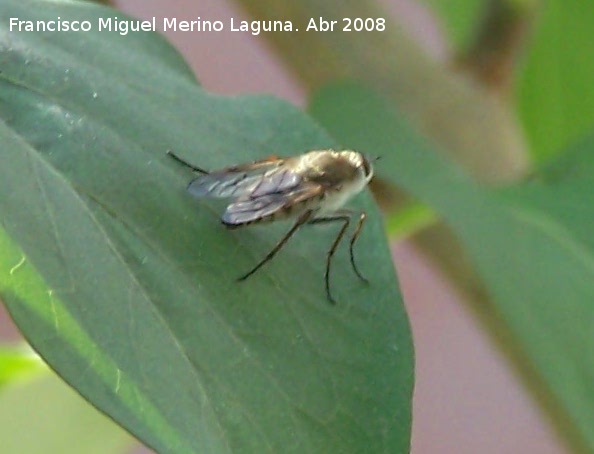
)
(186, 163)
(300, 221)
(356, 233)
(345, 219)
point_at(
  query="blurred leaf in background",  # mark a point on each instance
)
(555, 91)
(459, 18)
(39, 413)
(17, 365)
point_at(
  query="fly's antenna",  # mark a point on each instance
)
(185, 163)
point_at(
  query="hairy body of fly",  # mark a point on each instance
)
(311, 188)
(269, 190)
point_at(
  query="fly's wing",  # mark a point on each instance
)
(234, 181)
(251, 209)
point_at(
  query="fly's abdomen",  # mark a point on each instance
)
(259, 211)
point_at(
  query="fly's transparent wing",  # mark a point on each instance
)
(250, 209)
(235, 181)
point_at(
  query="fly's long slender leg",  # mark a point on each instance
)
(324, 220)
(300, 221)
(345, 218)
(186, 163)
(356, 233)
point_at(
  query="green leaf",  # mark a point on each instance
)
(532, 243)
(127, 286)
(556, 94)
(460, 18)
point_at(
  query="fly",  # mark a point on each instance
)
(310, 188)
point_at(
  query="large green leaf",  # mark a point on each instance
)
(532, 243)
(126, 285)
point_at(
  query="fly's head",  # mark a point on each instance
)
(363, 165)
(360, 169)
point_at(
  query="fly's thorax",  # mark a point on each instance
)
(333, 168)
(343, 174)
